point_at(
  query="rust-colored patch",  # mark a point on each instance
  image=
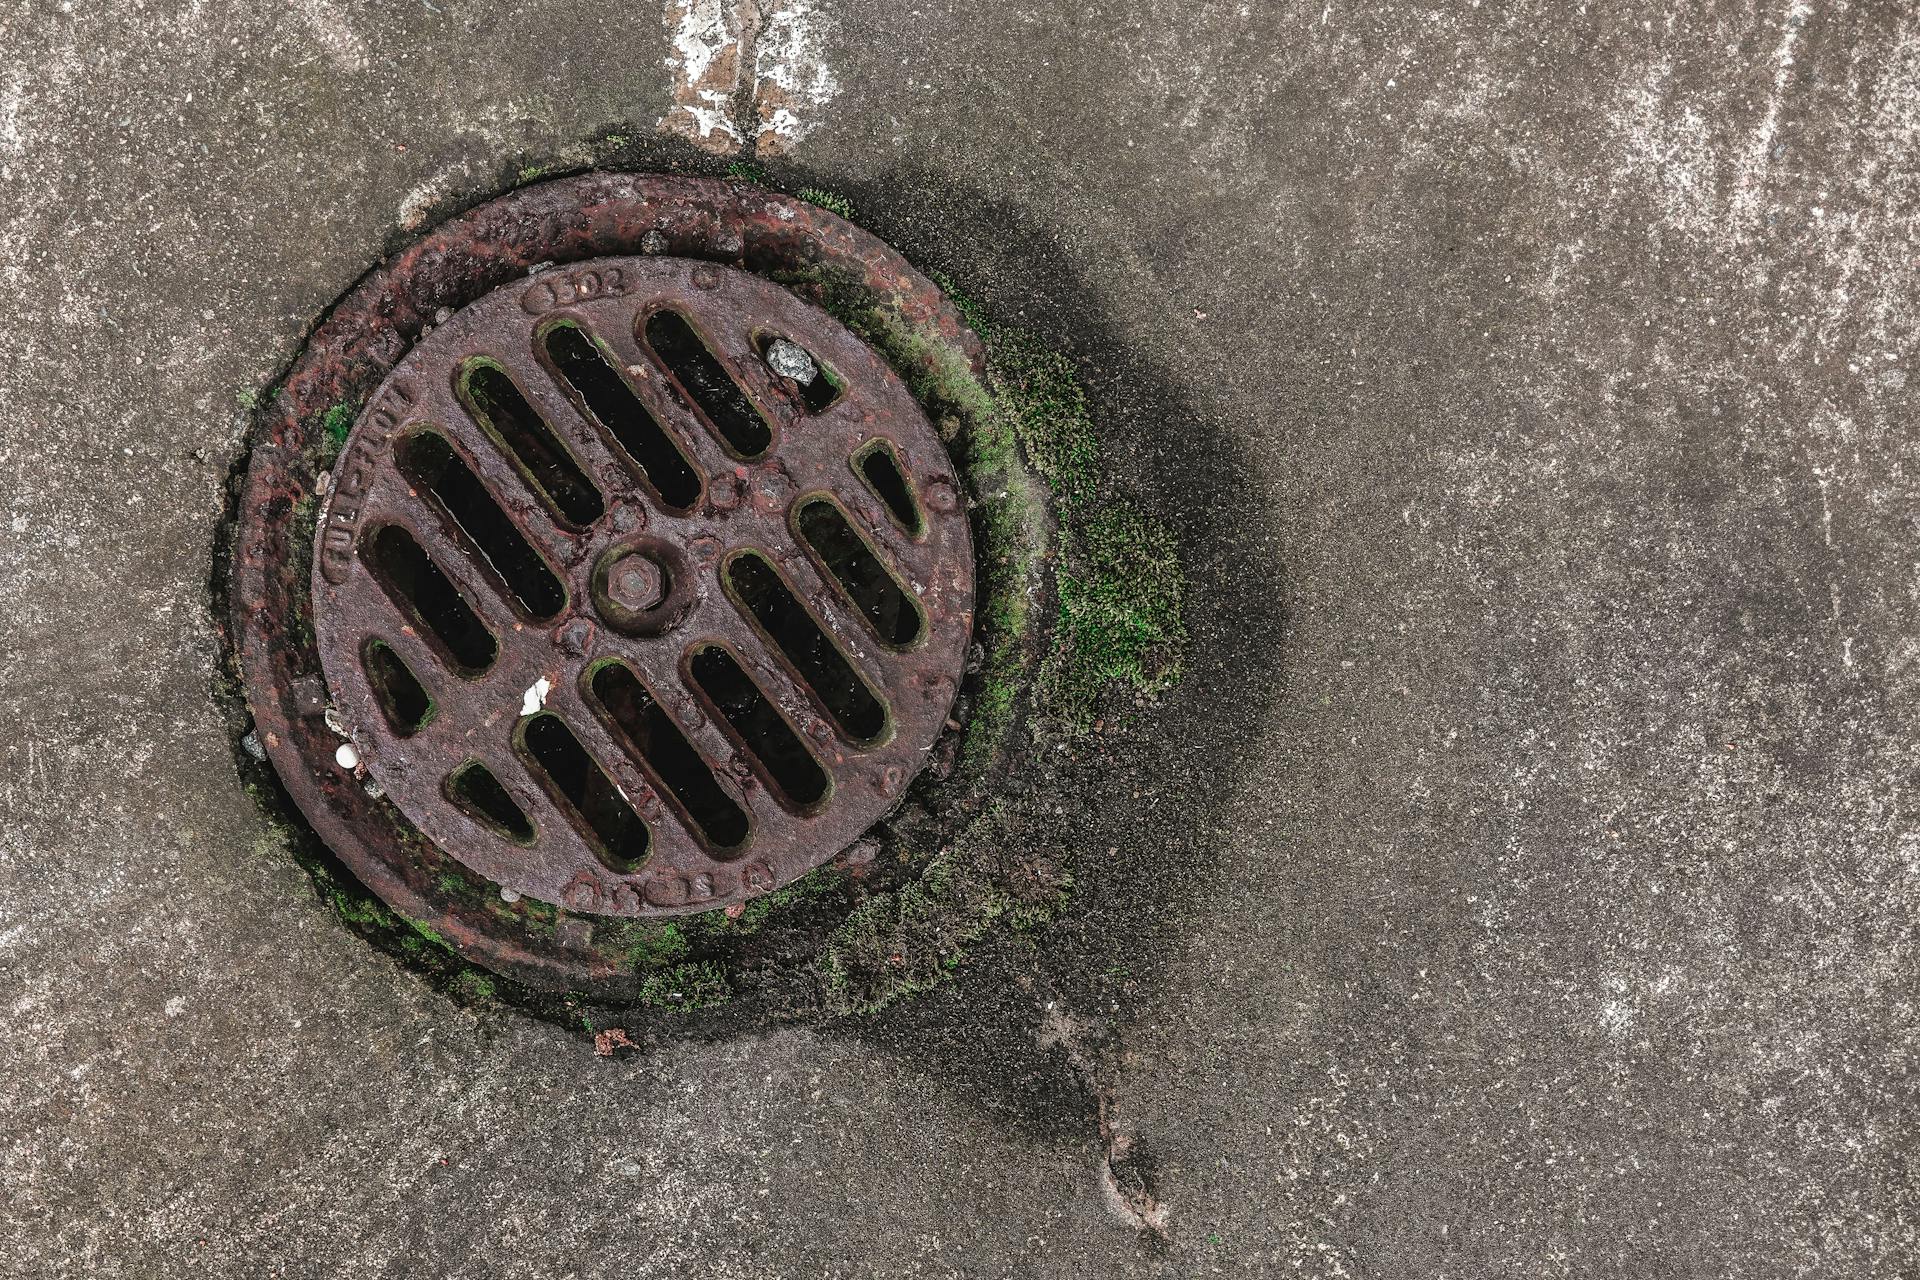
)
(605, 1042)
(748, 75)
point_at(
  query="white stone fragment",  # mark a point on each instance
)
(536, 696)
(790, 360)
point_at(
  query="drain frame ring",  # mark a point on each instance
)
(548, 226)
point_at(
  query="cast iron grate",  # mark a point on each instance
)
(642, 584)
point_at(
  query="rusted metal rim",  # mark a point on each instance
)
(351, 354)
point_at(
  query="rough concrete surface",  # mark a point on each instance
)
(1520, 884)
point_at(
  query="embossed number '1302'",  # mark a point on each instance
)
(561, 289)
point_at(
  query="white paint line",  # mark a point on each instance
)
(1746, 197)
(13, 135)
(706, 38)
(715, 44)
(792, 82)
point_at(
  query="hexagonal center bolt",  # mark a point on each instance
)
(636, 583)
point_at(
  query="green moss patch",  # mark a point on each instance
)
(699, 985)
(817, 887)
(1120, 590)
(1121, 623)
(1044, 403)
(828, 200)
(912, 938)
(650, 946)
(472, 986)
(337, 422)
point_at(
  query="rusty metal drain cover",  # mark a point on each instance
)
(625, 619)
(639, 586)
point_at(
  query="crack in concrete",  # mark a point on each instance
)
(1126, 1171)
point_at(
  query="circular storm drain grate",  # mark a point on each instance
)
(642, 586)
(584, 570)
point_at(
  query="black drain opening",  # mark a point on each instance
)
(479, 795)
(584, 368)
(877, 465)
(866, 581)
(655, 739)
(758, 587)
(499, 406)
(579, 782)
(403, 700)
(687, 356)
(431, 465)
(759, 726)
(415, 584)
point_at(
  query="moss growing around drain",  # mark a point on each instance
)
(828, 200)
(748, 171)
(429, 934)
(971, 311)
(649, 946)
(473, 986)
(698, 985)
(1047, 409)
(1119, 587)
(1120, 613)
(1079, 616)
(912, 938)
(817, 887)
(362, 912)
(336, 423)
(1119, 584)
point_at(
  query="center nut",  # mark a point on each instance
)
(643, 586)
(643, 589)
(635, 583)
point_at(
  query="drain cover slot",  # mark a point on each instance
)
(627, 592)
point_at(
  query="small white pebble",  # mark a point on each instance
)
(790, 360)
(509, 895)
(345, 756)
